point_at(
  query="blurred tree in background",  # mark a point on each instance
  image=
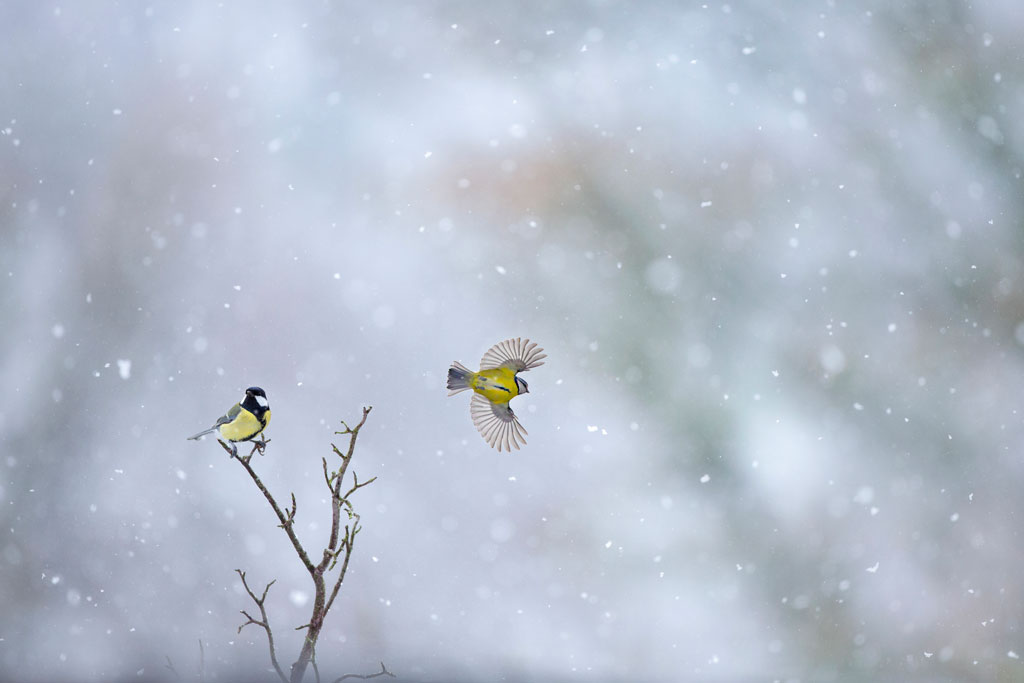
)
(773, 250)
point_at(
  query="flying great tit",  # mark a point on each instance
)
(244, 421)
(497, 383)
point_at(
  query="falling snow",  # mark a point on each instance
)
(773, 257)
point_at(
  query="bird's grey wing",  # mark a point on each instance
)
(518, 354)
(497, 424)
(228, 416)
(223, 419)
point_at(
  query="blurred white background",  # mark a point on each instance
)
(773, 250)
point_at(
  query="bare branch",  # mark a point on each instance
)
(355, 432)
(358, 485)
(337, 500)
(290, 513)
(263, 622)
(330, 553)
(339, 546)
(285, 522)
(202, 662)
(383, 672)
(170, 667)
(328, 477)
(349, 540)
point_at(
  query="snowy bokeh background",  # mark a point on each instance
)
(774, 251)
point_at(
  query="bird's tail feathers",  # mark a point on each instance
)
(196, 437)
(458, 378)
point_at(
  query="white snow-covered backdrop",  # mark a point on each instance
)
(774, 250)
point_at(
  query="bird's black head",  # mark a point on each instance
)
(521, 385)
(255, 401)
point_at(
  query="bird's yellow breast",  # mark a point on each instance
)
(244, 427)
(497, 385)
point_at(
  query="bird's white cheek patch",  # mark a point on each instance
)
(262, 401)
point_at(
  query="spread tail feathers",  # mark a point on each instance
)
(196, 437)
(458, 378)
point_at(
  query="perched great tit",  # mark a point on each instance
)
(244, 421)
(497, 383)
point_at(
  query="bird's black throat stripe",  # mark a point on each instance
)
(252, 405)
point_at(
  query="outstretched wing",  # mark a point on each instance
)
(518, 354)
(497, 424)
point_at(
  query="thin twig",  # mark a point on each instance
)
(358, 485)
(327, 476)
(202, 662)
(264, 623)
(341, 574)
(383, 672)
(170, 667)
(288, 528)
(337, 498)
(290, 513)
